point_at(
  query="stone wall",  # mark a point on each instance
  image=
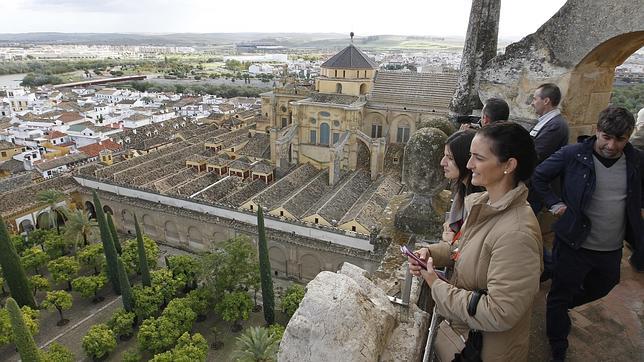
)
(577, 49)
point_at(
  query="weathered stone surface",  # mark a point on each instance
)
(577, 49)
(407, 341)
(424, 178)
(480, 47)
(440, 122)
(343, 317)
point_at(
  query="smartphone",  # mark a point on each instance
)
(441, 274)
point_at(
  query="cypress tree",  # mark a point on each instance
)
(126, 290)
(108, 246)
(22, 337)
(268, 299)
(143, 258)
(13, 271)
(115, 237)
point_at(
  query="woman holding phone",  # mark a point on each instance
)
(499, 249)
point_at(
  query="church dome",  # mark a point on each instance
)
(350, 58)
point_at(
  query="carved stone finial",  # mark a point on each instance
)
(351, 35)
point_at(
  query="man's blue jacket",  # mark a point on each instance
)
(574, 164)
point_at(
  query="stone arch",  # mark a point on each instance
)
(401, 129)
(195, 238)
(42, 220)
(364, 156)
(149, 226)
(277, 258)
(108, 210)
(378, 119)
(128, 218)
(25, 226)
(171, 231)
(310, 266)
(89, 206)
(577, 49)
(363, 88)
(325, 133)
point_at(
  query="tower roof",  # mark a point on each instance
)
(350, 58)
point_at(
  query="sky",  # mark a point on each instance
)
(412, 17)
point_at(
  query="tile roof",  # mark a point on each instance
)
(55, 134)
(95, 148)
(350, 58)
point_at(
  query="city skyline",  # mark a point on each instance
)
(199, 16)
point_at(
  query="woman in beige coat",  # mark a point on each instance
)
(499, 250)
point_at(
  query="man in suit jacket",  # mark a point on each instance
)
(550, 134)
(551, 131)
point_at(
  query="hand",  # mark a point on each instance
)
(429, 274)
(414, 267)
(465, 126)
(558, 209)
(448, 234)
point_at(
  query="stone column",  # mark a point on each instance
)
(480, 47)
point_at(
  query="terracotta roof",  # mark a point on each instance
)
(93, 149)
(67, 117)
(55, 134)
(350, 58)
(4, 145)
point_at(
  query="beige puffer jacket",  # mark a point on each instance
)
(501, 251)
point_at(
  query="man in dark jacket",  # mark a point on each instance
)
(550, 134)
(600, 207)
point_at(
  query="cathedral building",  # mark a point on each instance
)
(356, 117)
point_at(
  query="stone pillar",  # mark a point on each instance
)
(273, 138)
(480, 47)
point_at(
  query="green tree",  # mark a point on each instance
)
(92, 256)
(30, 316)
(200, 301)
(184, 267)
(64, 269)
(58, 353)
(108, 245)
(88, 286)
(55, 245)
(277, 331)
(268, 297)
(34, 257)
(39, 283)
(52, 198)
(59, 300)
(292, 298)
(79, 226)
(256, 344)
(130, 254)
(166, 284)
(229, 268)
(122, 323)
(234, 307)
(22, 337)
(126, 289)
(132, 356)
(13, 271)
(147, 301)
(180, 312)
(143, 260)
(38, 237)
(99, 341)
(188, 348)
(115, 236)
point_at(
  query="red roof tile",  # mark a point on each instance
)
(93, 149)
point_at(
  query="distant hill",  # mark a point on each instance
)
(291, 40)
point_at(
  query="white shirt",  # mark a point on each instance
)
(543, 120)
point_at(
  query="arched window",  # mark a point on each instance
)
(324, 134)
(402, 136)
(338, 88)
(376, 129)
(363, 88)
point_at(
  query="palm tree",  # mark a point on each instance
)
(78, 226)
(52, 197)
(256, 344)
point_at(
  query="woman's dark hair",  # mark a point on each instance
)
(459, 145)
(510, 140)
